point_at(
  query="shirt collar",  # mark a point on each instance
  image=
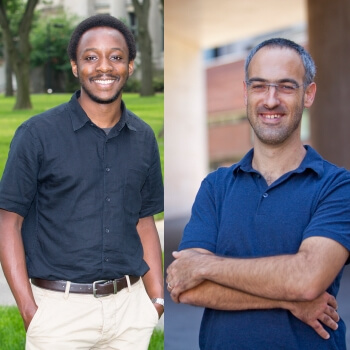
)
(80, 118)
(312, 161)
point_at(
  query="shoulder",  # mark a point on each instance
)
(50, 118)
(136, 122)
(220, 176)
(335, 176)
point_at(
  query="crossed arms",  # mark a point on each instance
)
(294, 282)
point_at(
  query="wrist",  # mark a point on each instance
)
(159, 301)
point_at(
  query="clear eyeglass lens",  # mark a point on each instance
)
(284, 88)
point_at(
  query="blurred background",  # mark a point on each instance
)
(34, 35)
(206, 43)
(35, 75)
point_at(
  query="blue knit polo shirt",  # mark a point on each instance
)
(237, 214)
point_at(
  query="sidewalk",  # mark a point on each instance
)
(6, 297)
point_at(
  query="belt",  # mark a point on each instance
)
(97, 289)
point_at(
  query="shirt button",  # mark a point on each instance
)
(108, 169)
(108, 199)
(265, 195)
(107, 230)
(106, 259)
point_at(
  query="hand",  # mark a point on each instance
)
(160, 309)
(184, 272)
(28, 315)
(323, 309)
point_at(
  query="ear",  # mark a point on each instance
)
(309, 95)
(131, 67)
(74, 68)
(245, 93)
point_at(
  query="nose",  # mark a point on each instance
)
(271, 99)
(104, 65)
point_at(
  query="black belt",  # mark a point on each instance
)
(97, 289)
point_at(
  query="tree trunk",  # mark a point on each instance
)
(8, 73)
(23, 92)
(328, 23)
(145, 47)
(19, 51)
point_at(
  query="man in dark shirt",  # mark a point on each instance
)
(77, 198)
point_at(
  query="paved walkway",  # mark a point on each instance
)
(6, 297)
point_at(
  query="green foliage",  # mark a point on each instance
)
(134, 85)
(49, 39)
(12, 332)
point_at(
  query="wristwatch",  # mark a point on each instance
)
(159, 301)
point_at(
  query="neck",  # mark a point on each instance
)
(103, 115)
(274, 161)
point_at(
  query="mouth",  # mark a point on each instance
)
(104, 81)
(271, 117)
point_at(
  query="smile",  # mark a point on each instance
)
(104, 82)
(272, 116)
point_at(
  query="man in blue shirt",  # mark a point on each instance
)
(268, 237)
(77, 197)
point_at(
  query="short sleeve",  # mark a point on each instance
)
(202, 229)
(18, 185)
(152, 192)
(332, 215)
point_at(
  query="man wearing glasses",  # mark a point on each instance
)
(269, 236)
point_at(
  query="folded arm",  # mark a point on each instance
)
(303, 276)
(209, 294)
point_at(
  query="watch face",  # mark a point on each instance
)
(158, 301)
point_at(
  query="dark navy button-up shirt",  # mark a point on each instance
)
(236, 214)
(81, 193)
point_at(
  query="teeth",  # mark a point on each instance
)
(274, 116)
(104, 82)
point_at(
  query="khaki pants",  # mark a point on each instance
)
(68, 321)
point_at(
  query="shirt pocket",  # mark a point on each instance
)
(134, 181)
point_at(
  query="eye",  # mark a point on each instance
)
(287, 87)
(258, 86)
(90, 58)
(116, 58)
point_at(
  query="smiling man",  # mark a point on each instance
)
(269, 236)
(77, 198)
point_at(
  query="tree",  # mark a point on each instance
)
(18, 46)
(49, 39)
(8, 73)
(145, 46)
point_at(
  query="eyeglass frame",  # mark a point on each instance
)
(294, 86)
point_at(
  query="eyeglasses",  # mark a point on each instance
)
(260, 87)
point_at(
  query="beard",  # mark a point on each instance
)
(98, 99)
(271, 135)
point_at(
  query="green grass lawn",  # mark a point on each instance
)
(150, 109)
(12, 335)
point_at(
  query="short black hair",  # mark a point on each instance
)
(102, 20)
(308, 62)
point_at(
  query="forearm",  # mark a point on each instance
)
(297, 277)
(153, 279)
(316, 313)
(214, 296)
(279, 277)
(13, 263)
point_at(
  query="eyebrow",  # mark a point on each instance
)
(284, 80)
(96, 49)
